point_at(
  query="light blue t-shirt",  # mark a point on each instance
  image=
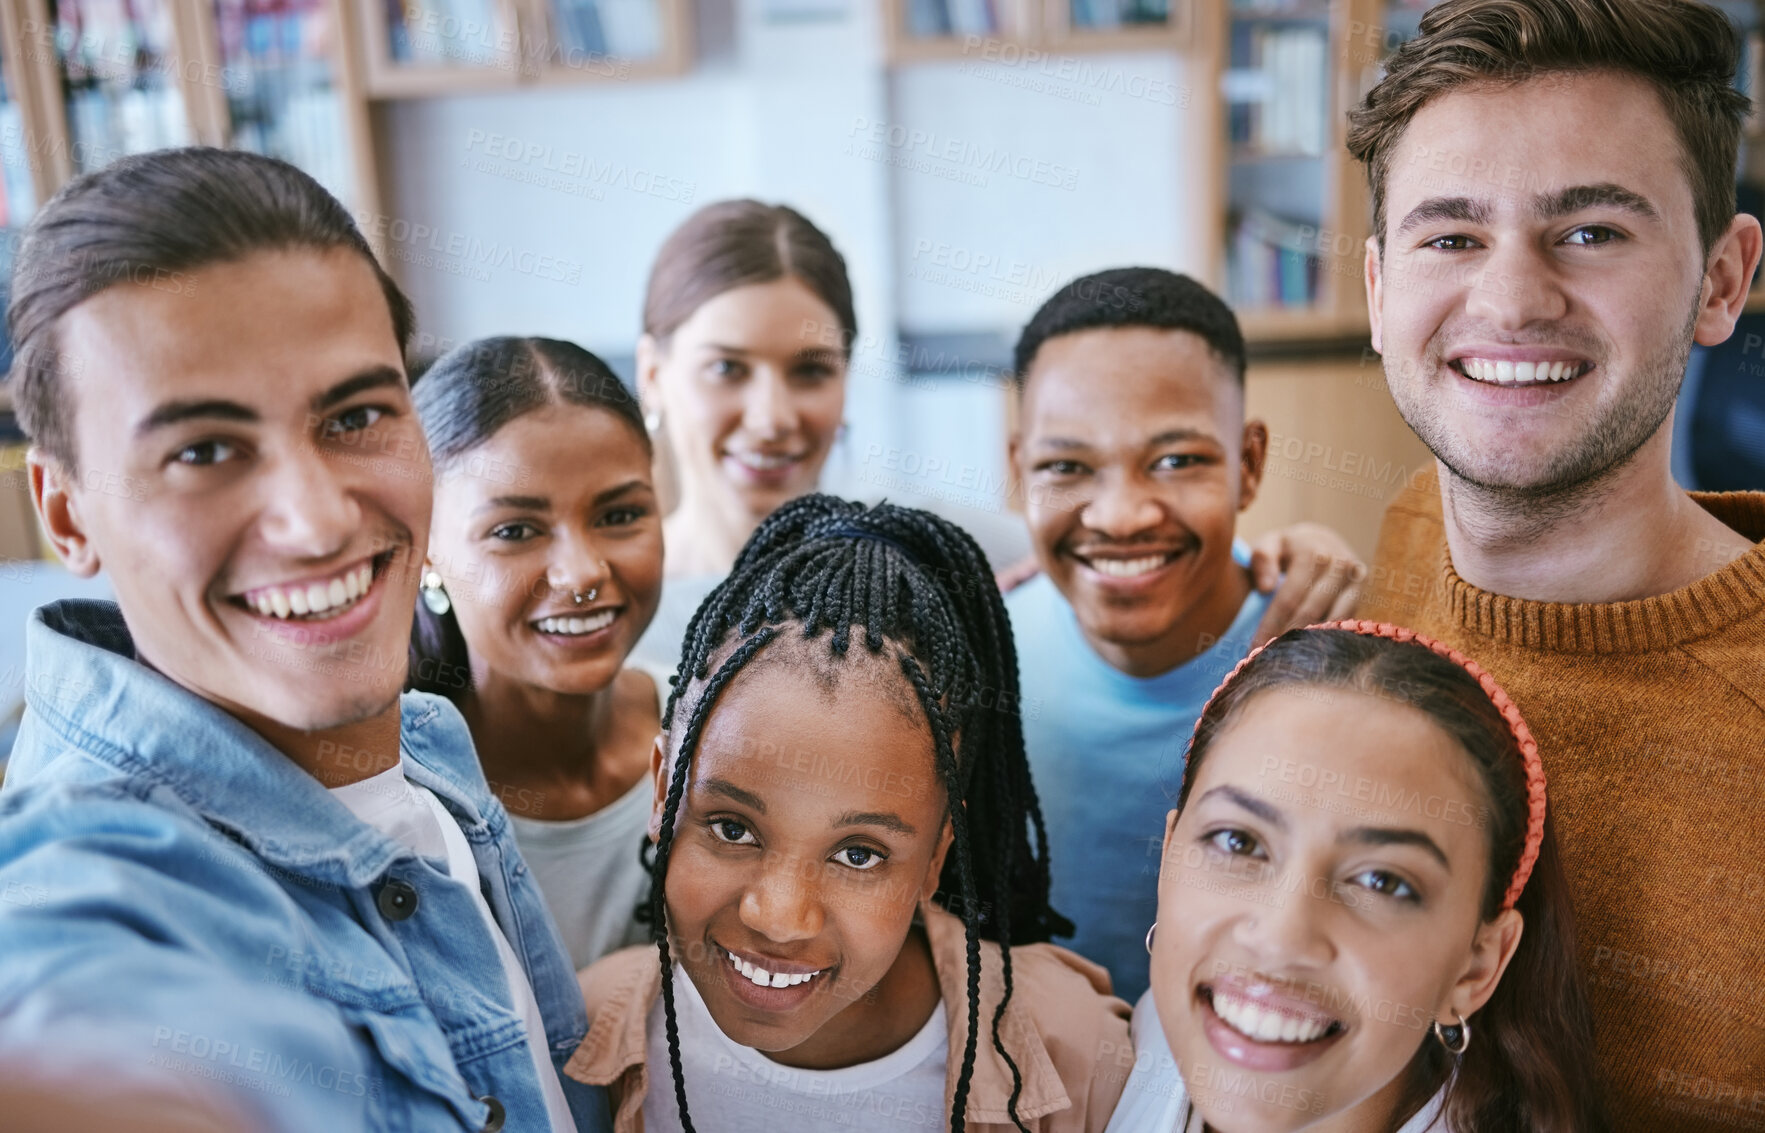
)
(1106, 750)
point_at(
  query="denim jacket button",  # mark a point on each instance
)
(397, 899)
(494, 1121)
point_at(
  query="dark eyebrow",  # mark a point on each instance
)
(618, 490)
(877, 818)
(1251, 803)
(1392, 836)
(521, 503)
(1549, 206)
(542, 503)
(174, 412)
(220, 409)
(1174, 436)
(1445, 208)
(728, 790)
(377, 378)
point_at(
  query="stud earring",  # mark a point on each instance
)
(1456, 1038)
(434, 596)
(652, 421)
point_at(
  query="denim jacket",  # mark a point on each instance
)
(179, 902)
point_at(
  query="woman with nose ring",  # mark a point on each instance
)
(543, 571)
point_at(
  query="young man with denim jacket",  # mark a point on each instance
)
(233, 860)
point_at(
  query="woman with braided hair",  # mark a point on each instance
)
(850, 882)
(1363, 922)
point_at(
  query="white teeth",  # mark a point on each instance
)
(1515, 373)
(1127, 568)
(572, 627)
(1267, 1025)
(330, 598)
(760, 977)
(765, 461)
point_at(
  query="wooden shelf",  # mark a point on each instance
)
(1028, 26)
(1300, 324)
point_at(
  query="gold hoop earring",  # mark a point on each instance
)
(1460, 1039)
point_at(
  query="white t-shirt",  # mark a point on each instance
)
(1156, 1101)
(413, 816)
(589, 872)
(736, 1089)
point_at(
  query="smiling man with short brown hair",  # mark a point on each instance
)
(1556, 227)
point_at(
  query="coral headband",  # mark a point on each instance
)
(1509, 712)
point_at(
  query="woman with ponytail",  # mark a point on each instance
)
(850, 894)
(543, 569)
(1363, 923)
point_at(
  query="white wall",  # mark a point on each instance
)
(961, 193)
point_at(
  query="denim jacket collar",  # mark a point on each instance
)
(86, 686)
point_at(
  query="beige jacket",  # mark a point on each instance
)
(1066, 1033)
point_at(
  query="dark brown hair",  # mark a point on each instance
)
(1532, 1064)
(1685, 50)
(730, 244)
(150, 219)
(463, 400)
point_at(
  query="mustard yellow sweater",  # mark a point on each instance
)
(1650, 718)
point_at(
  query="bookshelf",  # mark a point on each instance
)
(418, 48)
(281, 87)
(1027, 31)
(1292, 205)
(23, 181)
(118, 70)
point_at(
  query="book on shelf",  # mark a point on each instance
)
(938, 18)
(1279, 104)
(633, 28)
(1271, 261)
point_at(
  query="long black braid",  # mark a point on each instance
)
(905, 577)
